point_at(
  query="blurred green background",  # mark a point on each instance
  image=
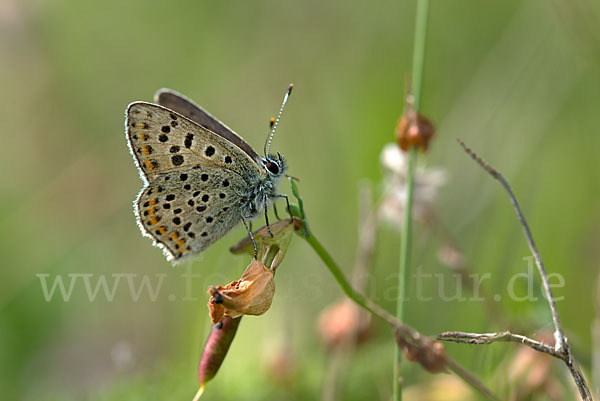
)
(518, 80)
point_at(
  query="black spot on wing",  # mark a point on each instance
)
(177, 160)
(188, 140)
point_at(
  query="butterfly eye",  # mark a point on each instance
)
(272, 167)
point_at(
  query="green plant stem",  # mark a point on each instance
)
(403, 270)
(419, 51)
(337, 273)
(406, 239)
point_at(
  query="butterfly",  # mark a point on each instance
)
(200, 178)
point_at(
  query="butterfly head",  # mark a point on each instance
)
(274, 165)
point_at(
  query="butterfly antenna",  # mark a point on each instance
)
(267, 148)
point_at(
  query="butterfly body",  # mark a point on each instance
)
(198, 184)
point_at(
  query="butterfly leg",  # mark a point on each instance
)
(287, 202)
(267, 217)
(251, 237)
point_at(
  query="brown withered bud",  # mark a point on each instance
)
(430, 354)
(280, 363)
(343, 323)
(252, 294)
(414, 129)
(451, 256)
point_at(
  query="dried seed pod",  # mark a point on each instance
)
(414, 130)
(429, 354)
(219, 340)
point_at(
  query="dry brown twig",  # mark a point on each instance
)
(505, 336)
(561, 349)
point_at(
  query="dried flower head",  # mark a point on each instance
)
(279, 361)
(414, 129)
(344, 323)
(427, 183)
(252, 294)
(452, 257)
(430, 354)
